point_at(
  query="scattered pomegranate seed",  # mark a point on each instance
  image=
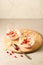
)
(15, 56)
(10, 53)
(7, 52)
(21, 55)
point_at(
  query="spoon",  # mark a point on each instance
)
(16, 46)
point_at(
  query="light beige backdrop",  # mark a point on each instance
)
(21, 9)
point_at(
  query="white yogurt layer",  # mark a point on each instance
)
(32, 42)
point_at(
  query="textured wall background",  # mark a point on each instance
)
(21, 9)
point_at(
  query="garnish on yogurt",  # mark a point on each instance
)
(28, 42)
(13, 34)
(25, 41)
(10, 33)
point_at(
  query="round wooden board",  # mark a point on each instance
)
(37, 45)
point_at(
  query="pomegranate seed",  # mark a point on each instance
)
(11, 32)
(13, 35)
(17, 48)
(21, 55)
(15, 56)
(10, 53)
(7, 52)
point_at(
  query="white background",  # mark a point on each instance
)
(21, 9)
